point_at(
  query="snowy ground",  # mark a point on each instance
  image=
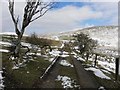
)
(1, 81)
(65, 63)
(27, 44)
(103, 65)
(10, 33)
(98, 72)
(3, 50)
(5, 43)
(67, 82)
(55, 52)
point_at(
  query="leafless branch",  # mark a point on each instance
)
(33, 9)
(15, 21)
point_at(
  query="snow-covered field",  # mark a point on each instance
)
(103, 34)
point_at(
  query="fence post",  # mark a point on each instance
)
(95, 62)
(116, 68)
(87, 56)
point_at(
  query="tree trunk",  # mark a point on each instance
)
(18, 46)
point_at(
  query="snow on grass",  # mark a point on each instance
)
(54, 46)
(65, 52)
(3, 50)
(98, 73)
(5, 43)
(75, 54)
(64, 55)
(105, 71)
(1, 81)
(80, 58)
(76, 47)
(101, 88)
(28, 72)
(62, 45)
(37, 54)
(67, 82)
(107, 65)
(77, 57)
(55, 53)
(65, 63)
(19, 65)
(15, 67)
(27, 44)
(10, 33)
(51, 59)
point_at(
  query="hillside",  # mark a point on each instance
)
(107, 36)
(104, 34)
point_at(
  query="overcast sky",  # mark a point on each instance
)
(65, 16)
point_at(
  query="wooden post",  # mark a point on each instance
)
(117, 68)
(87, 56)
(95, 62)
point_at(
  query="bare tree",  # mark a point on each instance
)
(33, 10)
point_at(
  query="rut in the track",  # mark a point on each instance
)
(85, 79)
(49, 81)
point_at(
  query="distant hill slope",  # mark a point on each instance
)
(105, 35)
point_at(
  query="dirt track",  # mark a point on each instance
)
(85, 79)
(49, 81)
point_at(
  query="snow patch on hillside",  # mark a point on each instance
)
(104, 35)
